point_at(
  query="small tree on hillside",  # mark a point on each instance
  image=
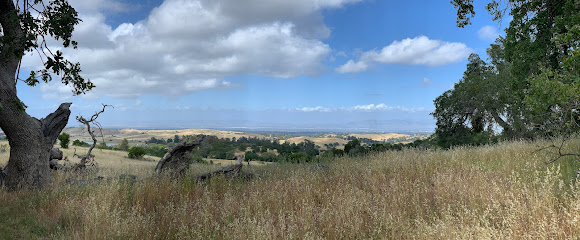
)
(136, 152)
(124, 145)
(64, 139)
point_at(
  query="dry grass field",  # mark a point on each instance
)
(135, 136)
(381, 136)
(320, 141)
(492, 192)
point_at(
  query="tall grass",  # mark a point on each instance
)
(500, 191)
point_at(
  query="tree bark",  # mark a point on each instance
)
(31, 141)
(176, 161)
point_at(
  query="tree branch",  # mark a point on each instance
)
(13, 47)
(85, 158)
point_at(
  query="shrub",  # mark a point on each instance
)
(136, 152)
(64, 139)
(80, 143)
(124, 145)
(103, 145)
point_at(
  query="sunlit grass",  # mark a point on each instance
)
(491, 192)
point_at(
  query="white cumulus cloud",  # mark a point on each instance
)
(352, 66)
(410, 51)
(185, 46)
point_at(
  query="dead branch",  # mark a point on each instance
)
(559, 154)
(89, 158)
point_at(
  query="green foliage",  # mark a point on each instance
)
(354, 147)
(464, 12)
(80, 143)
(124, 145)
(154, 140)
(155, 150)
(251, 156)
(136, 152)
(554, 101)
(64, 139)
(298, 158)
(55, 20)
(103, 145)
(20, 105)
(528, 88)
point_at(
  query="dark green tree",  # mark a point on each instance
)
(64, 139)
(531, 81)
(136, 152)
(26, 26)
(354, 147)
(80, 143)
(468, 113)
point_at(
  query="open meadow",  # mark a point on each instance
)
(490, 192)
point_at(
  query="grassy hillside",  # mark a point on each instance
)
(501, 191)
(138, 137)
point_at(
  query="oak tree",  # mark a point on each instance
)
(27, 26)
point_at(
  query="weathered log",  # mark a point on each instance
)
(229, 172)
(176, 161)
(55, 153)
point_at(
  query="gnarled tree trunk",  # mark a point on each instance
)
(176, 161)
(31, 141)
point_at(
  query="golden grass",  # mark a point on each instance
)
(320, 141)
(492, 192)
(380, 136)
(135, 136)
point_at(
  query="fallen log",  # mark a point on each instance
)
(229, 172)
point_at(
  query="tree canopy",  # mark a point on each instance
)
(530, 84)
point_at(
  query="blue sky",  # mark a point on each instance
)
(321, 64)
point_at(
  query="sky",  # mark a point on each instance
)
(352, 65)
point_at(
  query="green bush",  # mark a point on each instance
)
(136, 152)
(103, 145)
(64, 139)
(124, 145)
(80, 143)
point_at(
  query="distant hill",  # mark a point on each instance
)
(136, 136)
